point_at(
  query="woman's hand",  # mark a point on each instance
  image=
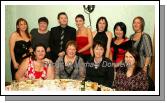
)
(48, 49)
(61, 53)
(16, 65)
(30, 50)
(145, 69)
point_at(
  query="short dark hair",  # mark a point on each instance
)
(80, 16)
(101, 44)
(61, 13)
(43, 19)
(102, 18)
(38, 45)
(123, 28)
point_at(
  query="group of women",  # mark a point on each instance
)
(118, 62)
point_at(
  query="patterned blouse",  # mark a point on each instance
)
(32, 74)
(136, 82)
(72, 71)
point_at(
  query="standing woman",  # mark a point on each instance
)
(101, 34)
(119, 44)
(84, 38)
(142, 42)
(41, 34)
(19, 44)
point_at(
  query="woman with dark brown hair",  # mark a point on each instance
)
(130, 77)
(19, 45)
(36, 66)
(102, 34)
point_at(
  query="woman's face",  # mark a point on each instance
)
(71, 51)
(98, 51)
(63, 20)
(22, 26)
(119, 32)
(137, 25)
(79, 22)
(40, 53)
(129, 59)
(43, 26)
(101, 25)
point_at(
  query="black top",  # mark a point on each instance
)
(21, 48)
(101, 36)
(103, 74)
(55, 39)
(40, 37)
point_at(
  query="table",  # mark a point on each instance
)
(56, 84)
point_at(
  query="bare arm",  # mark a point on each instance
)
(12, 41)
(109, 35)
(110, 56)
(90, 41)
(50, 70)
(91, 49)
(22, 69)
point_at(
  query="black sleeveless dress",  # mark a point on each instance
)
(21, 48)
(102, 37)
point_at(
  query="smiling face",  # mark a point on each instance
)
(22, 26)
(71, 51)
(129, 59)
(137, 25)
(98, 51)
(119, 32)
(79, 22)
(43, 26)
(40, 53)
(63, 20)
(101, 25)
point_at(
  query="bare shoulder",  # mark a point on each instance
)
(94, 33)
(109, 34)
(13, 35)
(30, 36)
(25, 61)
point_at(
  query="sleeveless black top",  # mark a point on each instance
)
(21, 47)
(102, 37)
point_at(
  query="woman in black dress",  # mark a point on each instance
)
(102, 34)
(19, 44)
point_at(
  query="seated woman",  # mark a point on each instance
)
(37, 66)
(99, 69)
(70, 66)
(130, 77)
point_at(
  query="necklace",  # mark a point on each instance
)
(69, 61)
(97, 62)
(38, 66)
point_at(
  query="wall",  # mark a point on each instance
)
(113, 13)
